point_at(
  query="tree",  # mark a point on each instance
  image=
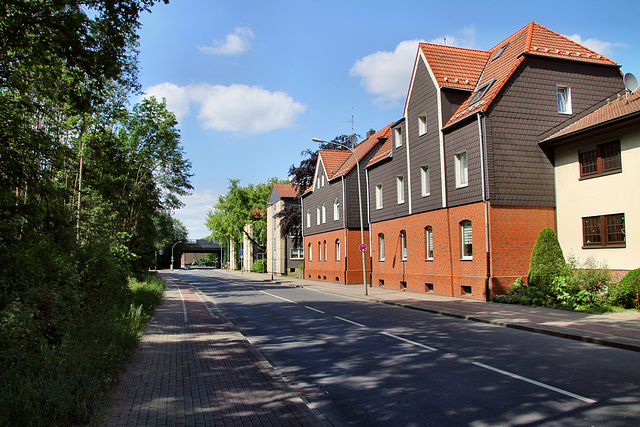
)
(547, 260)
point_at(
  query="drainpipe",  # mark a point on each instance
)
(369, 225)
(344, 225)
(487, 292)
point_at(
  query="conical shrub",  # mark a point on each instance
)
(547, 260)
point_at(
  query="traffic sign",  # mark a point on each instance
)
(363, 247)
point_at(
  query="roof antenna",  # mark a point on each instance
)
(630, 84)
(350, 121)
(445, 40)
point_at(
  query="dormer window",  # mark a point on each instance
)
(481, 91)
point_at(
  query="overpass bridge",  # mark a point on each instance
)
(189, 250)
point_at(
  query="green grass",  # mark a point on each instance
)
(68, 383)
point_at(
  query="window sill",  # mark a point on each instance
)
(598, 175)
(462, 185)
(612, 246)
(428, 260)
(426, 195)
(466, 259)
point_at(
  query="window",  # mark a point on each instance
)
(425, 185)
(310, 253)
(325, 249)
(317, 215)
(461, 170)
(564, 99)
(322, 181)
(500, 52)
(381, 247)
(600, 160)
(379, 196)
(397, 137)
(466, 236)
(400, 188)
(428, 242)
(297, 253)
(319, 251)
(336, 209)
(308, 218)
(604, 230)
(296, 232)
(422, 124)
(337, 249)
(324, 214)
(403, 244)
(481, 91)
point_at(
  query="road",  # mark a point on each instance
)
(363, 363)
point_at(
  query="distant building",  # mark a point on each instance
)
(283, 256)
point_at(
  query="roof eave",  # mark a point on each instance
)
(609, 125)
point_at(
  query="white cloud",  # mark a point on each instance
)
(194, 214)
(467, 39)
(235, 43)
(387, 74)
(599, 46)
(235, 108)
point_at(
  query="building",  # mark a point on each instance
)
(461, 189)
(596, 183)
(283, 256)
(331, 214)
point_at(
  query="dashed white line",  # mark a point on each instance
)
(534, 382)
(426, 347)
(350, 321)
(314, 309)
(276, 296)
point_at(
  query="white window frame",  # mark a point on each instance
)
(397, 137)
(379, 201)
(400, 188)
(428, 242)
(563, 94)
(422, 124)
(381, 246)
(461, 169)
(403, 244)
(317, 215)
(324, 247)
(337, 249)
(308, 218)
(336, 209)
(299, 253)
(466, 233)
(425, 181)
(322, 180)
(324, 213)
(310, 252)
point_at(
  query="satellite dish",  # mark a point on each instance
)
(630, 82)
(354, 139)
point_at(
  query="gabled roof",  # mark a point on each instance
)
(385, 152)
(286, 190)
(500, 62)
(363, 149)
(616, 111)
(332, 160)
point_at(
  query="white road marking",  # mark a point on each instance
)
(206, 306)
(314, 309)
(534, 382)
(350, 321)
(184, 306)
(426, 347)
(276, 296)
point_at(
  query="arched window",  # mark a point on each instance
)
(403, 244)
(310, 253)
(381, 247)
(337, 249)
(319, 251)
(325, 250)
(428, 242)
(466, 238)
(324, 214)
(308, 218)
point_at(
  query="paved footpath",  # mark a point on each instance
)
(193, 368)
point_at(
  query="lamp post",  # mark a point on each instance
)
(362, 245)
(174, 245)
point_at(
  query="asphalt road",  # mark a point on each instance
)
(363, 363)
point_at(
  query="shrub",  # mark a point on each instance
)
(259, 266)
(547, 260)
(623, 293)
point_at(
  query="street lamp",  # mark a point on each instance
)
(174, 245)
(362, 245)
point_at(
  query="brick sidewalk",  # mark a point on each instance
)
(197, 369)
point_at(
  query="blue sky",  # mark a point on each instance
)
(251, 82)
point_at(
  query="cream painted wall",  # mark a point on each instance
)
(611, 194)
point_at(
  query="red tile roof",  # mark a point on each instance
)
(618, 109)
(286, 190)
(471, 69)
(333, 160)
(385, 152)
(363, 148)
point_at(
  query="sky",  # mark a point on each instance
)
(252, 82)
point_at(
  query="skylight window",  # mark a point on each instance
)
(481, 91)
(502, 49)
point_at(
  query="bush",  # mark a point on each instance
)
(623, 293)
(547, 260)
(259, 266)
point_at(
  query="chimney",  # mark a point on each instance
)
(370, 132)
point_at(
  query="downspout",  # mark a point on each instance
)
(487, 292)
(344, 225)
(369, 226)
(304, 246)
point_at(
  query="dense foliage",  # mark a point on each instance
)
(86, 185)
(547, 260)
(626, 293)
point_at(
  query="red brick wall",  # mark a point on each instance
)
(514, 231)
(333, 270)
